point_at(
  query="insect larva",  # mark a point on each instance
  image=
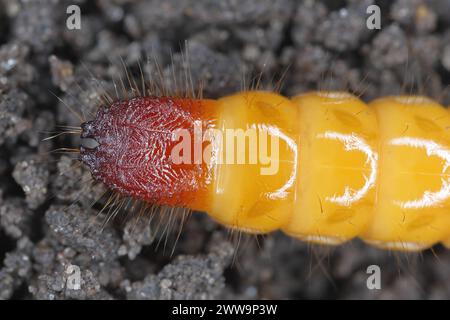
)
(345, 169)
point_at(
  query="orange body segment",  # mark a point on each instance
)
(338, 168)
(413, 188)
(257, 194)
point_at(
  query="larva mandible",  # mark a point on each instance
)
(346, 169)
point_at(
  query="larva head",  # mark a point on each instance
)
(128, 147)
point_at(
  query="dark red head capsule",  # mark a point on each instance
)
(128, 147)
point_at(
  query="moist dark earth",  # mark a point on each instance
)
(48, 225)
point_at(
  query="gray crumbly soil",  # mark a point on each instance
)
(325, 43)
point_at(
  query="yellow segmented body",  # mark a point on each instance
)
(346, 169)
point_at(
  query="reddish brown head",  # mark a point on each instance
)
(128, 147)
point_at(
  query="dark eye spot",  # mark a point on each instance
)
(89, 143)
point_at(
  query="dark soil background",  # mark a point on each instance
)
(322, 44)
